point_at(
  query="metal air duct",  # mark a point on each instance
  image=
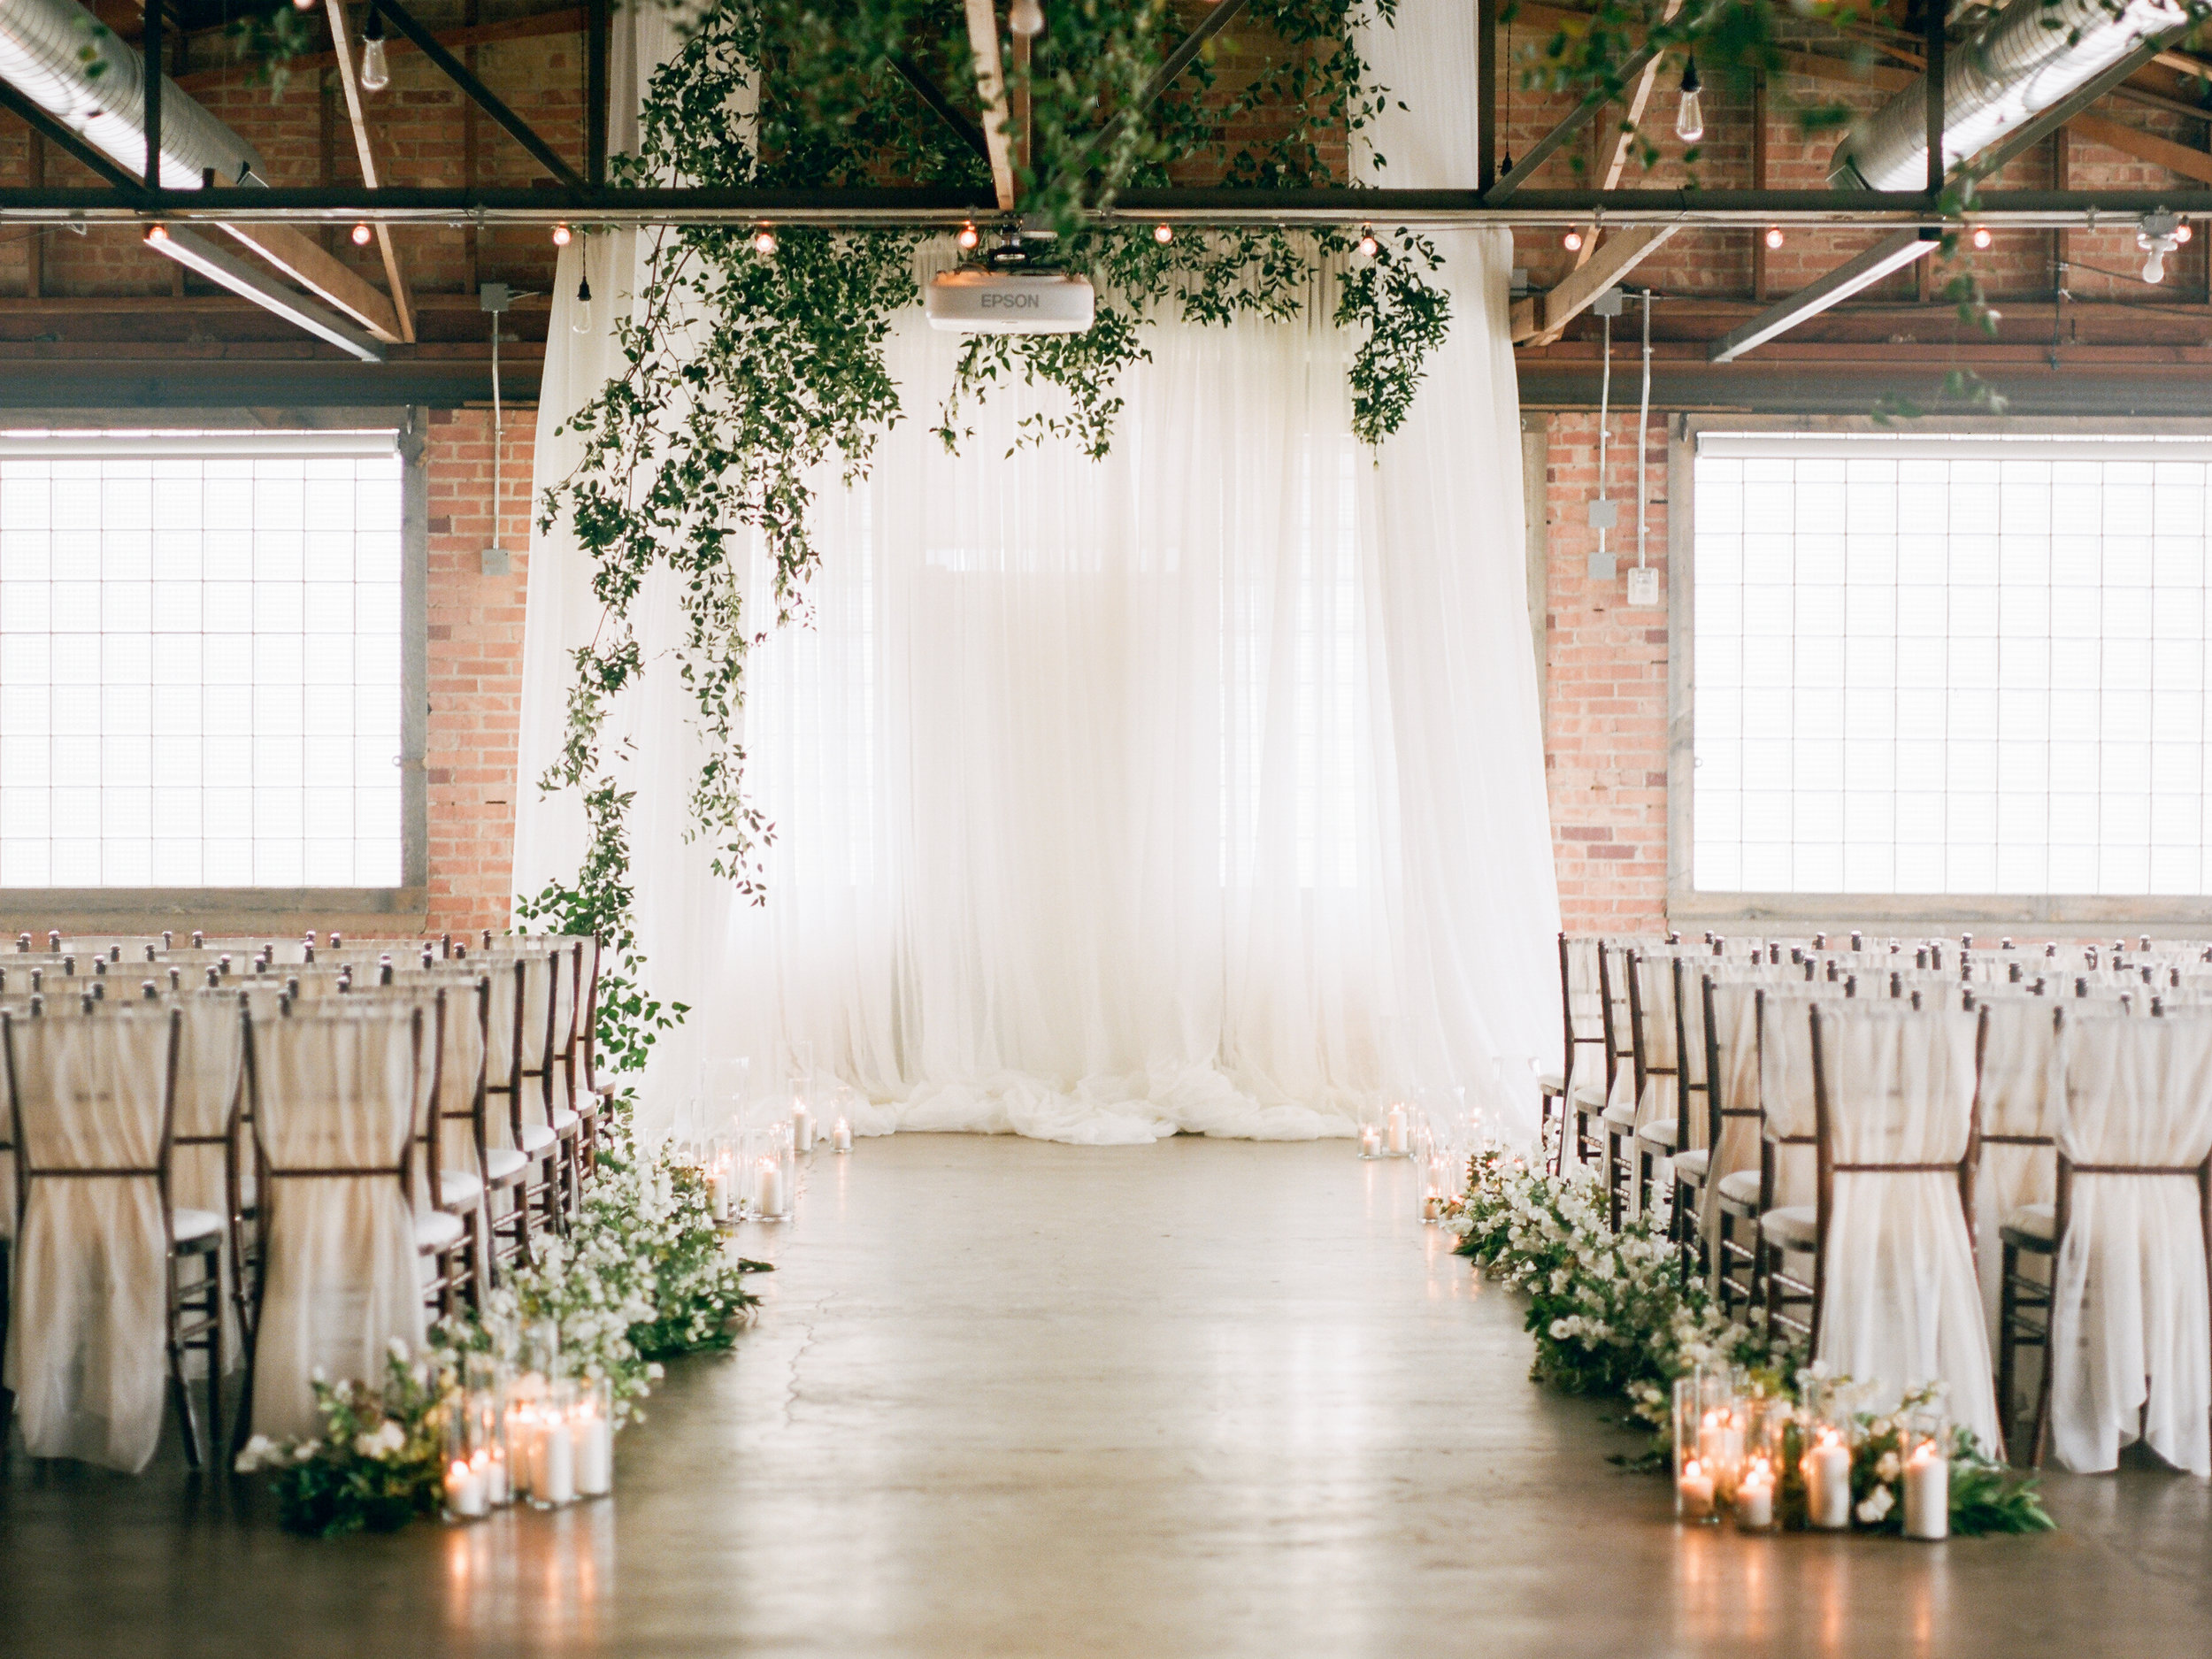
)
(2026, 58)
(48, 50)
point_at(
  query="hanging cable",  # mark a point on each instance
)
(1643, 434)
(1605, 405)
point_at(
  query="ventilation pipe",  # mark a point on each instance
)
(2026, 58)
(49, 51)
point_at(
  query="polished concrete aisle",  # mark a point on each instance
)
(1198, 1399)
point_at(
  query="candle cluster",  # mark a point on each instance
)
(1772, 1463)
(525, 1435)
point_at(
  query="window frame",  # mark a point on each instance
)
(1687, 906)
(273, 909)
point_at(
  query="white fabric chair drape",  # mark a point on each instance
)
(2022, 1086)
(2131, 1337)
(1199, 787)
(335, 1089)
(87, 1328)
(1903, 1305)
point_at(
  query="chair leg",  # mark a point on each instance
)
(2007, 1337)
(179, 1395)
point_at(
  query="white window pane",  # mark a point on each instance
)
(155, 701)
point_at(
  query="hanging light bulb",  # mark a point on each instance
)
(1164, 235)
(1689, 115)
(1774, 236)
(2157, 235)
(579, 319)
(302, 5)
(361, 235)
(969, 237)
(1027, 18)
(2182, 232)
(376, 74)
(1572, 241)
(561, 235)
(765, 241)
(157, 232)
(1368, 245)
(1982, 238)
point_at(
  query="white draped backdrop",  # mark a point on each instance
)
(1201, 787)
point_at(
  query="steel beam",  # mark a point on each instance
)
(1542, 149)
(77, 149)
(922, 207)
(946, 111)
(195, 252)
(1225, 12)
(1892, 253)
(481, 94)
(598, 23)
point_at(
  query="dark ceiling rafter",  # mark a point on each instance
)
(483, 97)
(946, 111)
(1185, 51)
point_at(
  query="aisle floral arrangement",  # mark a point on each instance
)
(642, 1277)
(1611, 1316)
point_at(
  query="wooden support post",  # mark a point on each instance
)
(991, 82)
(342, 44)
(471, 252)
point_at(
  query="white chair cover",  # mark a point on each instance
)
(88, 1331)
(1903, 1306)
(2132, 1336)
(1655, 993)
(335, 1089)
(1736, 1035)
(211, 1068)
(1784, 1040)
(2022, 1086)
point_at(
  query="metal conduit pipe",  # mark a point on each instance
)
(72, 67)
(2026, 58)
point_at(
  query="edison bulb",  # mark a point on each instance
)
(579, 317)
(1774, 236)
(763, 241)
(1982, 238)
(376, 73)
(1164, 235)
(970, 236)
(1689, 115)
(1027, 18)
(1368, 245)
(1571, 241)
(561, 234)
(361, 234)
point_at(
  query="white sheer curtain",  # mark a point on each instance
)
(1199, 787)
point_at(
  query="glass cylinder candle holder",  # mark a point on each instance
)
(592, 1428)
(520, 1422)
(484, 1379)
(723, 1180)
(553, 1447)
(1924, 1449)
(1695, 1496)
(1720, 1422)
(467, 1492)
(773, 1176)
(1767, 1439)
(1370, 1140)
(1825, 1463)
(1434, 1188)
(1398, 1131)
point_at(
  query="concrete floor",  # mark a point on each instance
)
(1197, 1399)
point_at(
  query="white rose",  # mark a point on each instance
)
(1876, 1506)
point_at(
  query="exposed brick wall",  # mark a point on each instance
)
(1605, 740)
(475, 662)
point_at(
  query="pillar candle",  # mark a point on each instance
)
(594, 1453)
(495, 1465)
(1694, 1491)
(1370, 1141)
(465, 1490)
(1397, 1131)
(718, 1193)
(802, 1129)
(842, 1137)
(1755, 1496)
(1827, 1467)
(768, 1192)
(1928, 1493)
(556, 1458)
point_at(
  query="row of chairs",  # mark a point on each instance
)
(186, 1097)
(1721, 1081)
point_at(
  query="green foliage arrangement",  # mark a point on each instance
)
(379, 1461)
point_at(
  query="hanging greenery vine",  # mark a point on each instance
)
(751, 362)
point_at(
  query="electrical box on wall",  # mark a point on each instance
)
(1643, 586)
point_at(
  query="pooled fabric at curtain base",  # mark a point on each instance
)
(1128, 1109)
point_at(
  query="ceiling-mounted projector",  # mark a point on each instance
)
(974, 300)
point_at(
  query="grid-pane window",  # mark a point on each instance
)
(200, 660)
(1968, 666)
